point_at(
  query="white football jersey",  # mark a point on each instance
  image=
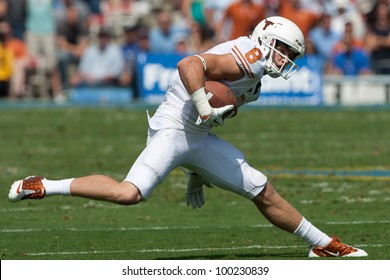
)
(179, 112)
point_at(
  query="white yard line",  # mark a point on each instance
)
(358, 222)
(170, 250)
(164, 228)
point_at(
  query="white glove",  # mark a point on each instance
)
(194, 194)
(215, 118)
(209, 115)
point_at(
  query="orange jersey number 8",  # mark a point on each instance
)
(253, 55)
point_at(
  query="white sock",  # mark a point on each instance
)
(311, 234)
(57, 187)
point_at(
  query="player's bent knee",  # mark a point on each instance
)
(128, 194)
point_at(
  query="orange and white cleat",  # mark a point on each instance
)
(29, 188)
(336, 249)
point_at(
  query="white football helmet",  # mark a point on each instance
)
(272, 31)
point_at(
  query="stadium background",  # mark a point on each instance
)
(193, 27)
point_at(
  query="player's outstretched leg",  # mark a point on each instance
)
(97, 187)
(283, 215)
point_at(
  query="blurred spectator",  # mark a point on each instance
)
(194, 12)
(316, 6)
(350, 60)
(16, 17)
(370, 10)
(134, 51)
(6, 67)
(3, 10)
(82, 8)
(100, 64)
(314, 60)
(214, 11)
(348, 31)
(163, 35)
(21, 62)
(244, 16)
(119, 13)
(143, 41)
(182, 46)
(130, 49)
(40, 38)
(377, 41)
(72, 39)
(119, 7)
(344, 11)
(130, 41)
(324, 38)
(94, 6)
(193, 9)
(196, 40)
(294, 11)
(272, 7)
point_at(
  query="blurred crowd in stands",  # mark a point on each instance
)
(49, 46)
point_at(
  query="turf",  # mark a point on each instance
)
(301, 150)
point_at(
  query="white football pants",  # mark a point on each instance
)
(214, 159)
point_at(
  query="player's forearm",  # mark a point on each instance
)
(191, 71)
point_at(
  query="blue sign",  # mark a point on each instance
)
(155, 73)
(303, 88)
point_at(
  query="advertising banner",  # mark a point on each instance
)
(303, 88)
(155, 72)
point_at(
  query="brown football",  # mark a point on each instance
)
(220, 95)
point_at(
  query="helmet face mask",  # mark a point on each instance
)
(278, 38)
(285, 69)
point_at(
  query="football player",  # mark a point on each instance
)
(176, 137)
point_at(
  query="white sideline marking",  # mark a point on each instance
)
(163, 228)
(166, 250)
(21, 209)
(74, 253)
(218, 249)
(358, 222)
(210, 249)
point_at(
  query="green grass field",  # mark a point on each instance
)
(332, 164)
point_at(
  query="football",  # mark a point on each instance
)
(220, 95)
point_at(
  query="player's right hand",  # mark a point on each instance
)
(216, 116)
(194, 194)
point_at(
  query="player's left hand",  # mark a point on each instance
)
(194, 194)
(216, 116)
